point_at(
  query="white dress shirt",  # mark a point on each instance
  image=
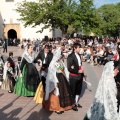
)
(44, 58)
(78, 58)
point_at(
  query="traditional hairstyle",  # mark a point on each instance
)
(19, 58)
(10, 54)
(29, 46)
(117, 65)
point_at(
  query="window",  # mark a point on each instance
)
(9, 0)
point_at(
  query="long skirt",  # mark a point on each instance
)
(1, 75)
(65, 100)
(7, 84)
(39, 94)
(86, 118)
(20, 88)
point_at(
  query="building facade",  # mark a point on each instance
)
(10, 27)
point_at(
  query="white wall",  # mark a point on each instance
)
(7, 10)
(1, 26)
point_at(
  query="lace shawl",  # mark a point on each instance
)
(29, 58)
(1, 62)
(5, 70)
(51, 79)
(10, 69)
(104, 106)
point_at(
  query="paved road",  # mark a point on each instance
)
(13, 107)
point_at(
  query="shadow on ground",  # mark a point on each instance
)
(12, 114)
(41, 115)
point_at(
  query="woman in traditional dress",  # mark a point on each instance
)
(104, 106)
(117, 78)
(28, 80)
(58, 95)
(8, 78)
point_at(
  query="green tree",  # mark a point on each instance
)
(63, 14)
(109, 19)
(86, 19)
(54, 14)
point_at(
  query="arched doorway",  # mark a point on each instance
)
(12, 34)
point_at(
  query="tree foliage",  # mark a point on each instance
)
(109, 19)
(54, 14)
(72, 15)
(86, 18)
(58, 14)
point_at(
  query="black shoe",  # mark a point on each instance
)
(95, 64)
(75, 108)
(59, 112)
(78, 105)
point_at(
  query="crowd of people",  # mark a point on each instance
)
(59, 92)
(58, 85)
(93, 50)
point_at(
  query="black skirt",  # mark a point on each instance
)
(32, 77)
(66, 98)
(1, 74)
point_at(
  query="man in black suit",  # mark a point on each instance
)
(11, 60)
(74, 65)
(44, 58)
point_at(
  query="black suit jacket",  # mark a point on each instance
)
(41, 56)
(11, 63)
(73, 61)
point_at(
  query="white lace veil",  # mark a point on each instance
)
(5, 70)
(104, 106)
(51, 79)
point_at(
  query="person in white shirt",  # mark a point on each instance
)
(74, 65)
(88, 53)
(99, 55)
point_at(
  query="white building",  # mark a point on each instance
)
(10, 27)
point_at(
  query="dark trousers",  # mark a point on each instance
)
(5, 49)
(76, 84)
(43, 79)
(13, 80)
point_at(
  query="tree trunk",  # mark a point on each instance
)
(64, 30)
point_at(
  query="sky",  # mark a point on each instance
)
(99, 3)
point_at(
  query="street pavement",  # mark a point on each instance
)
(14, 107)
